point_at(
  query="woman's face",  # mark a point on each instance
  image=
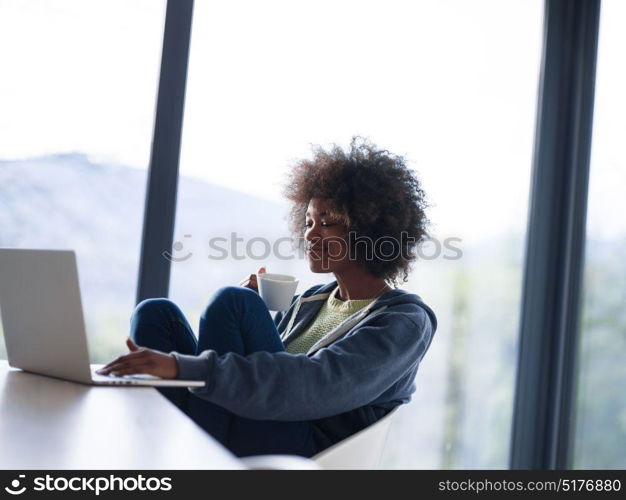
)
(327, 249)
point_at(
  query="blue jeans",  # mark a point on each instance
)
(236, 320)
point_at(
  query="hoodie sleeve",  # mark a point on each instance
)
(347, 374)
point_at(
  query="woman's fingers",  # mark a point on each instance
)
(251, 277)
(131, 355)
(143, 361)
(121, 359)
(131, 345)
(132, 371)
(250, 282)
(125, 362)
(125, 368)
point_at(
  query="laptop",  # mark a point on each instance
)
(42, 317)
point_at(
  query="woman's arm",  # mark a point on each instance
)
(349, 373)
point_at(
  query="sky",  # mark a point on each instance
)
(452, 85)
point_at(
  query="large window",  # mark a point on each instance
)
(600, 431)
(451, 85)
(77, 98)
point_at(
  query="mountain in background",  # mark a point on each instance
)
(68, 202)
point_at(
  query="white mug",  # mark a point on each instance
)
(277, 290)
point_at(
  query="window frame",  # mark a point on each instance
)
(541, 436)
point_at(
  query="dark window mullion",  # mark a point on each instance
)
(551, 295)
(160, 206)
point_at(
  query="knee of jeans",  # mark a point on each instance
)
(234, 292)
(149, 309)
(231, 295)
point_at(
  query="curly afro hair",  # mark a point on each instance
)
(373, 193)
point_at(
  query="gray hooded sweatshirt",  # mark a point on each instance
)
(353, 376)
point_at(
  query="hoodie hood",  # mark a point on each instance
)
(306, 306)
(391, 298)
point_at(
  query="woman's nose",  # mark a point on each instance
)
(311, 234)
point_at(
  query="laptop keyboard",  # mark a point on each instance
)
(135, 376)
(141, 376)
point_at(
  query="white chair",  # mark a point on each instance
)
(362, 450)
(279, 462)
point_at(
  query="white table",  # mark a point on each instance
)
(46, 423)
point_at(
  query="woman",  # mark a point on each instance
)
(344, 354)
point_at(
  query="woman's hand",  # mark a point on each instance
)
(251, 281)
(142, 360)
